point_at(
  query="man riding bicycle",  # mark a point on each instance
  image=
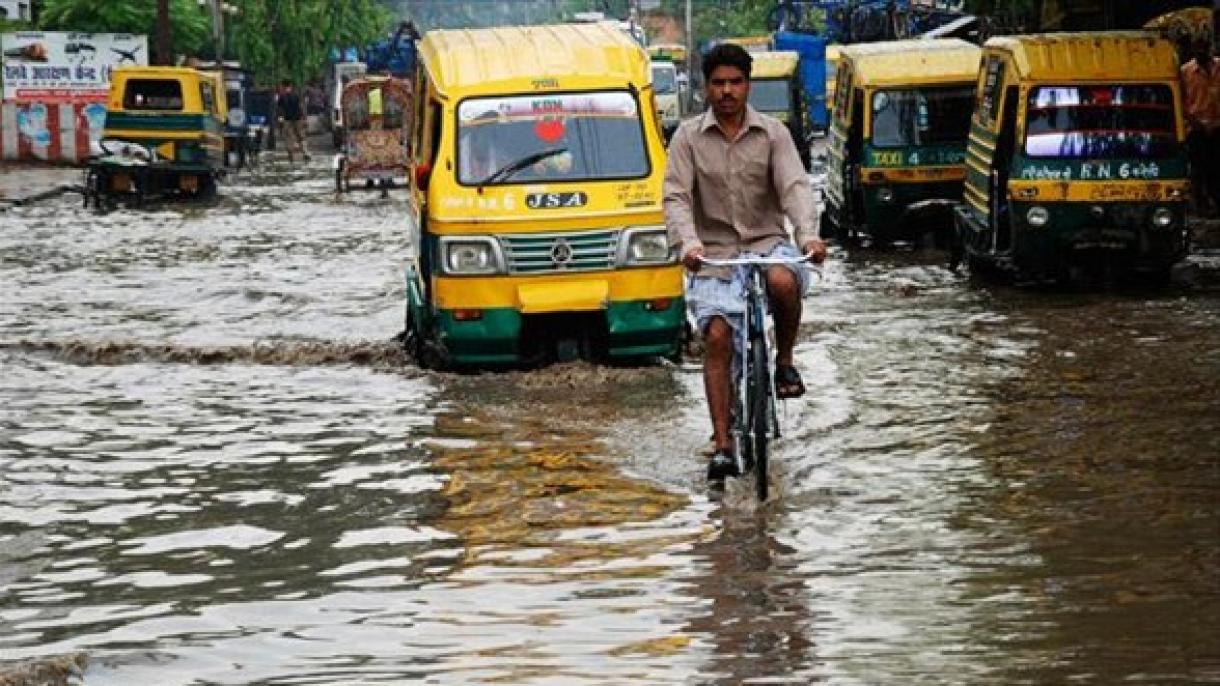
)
(733, 175)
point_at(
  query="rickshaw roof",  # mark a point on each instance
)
(669, 49)
(161, 72)
(1110, 55)
(913, 62)
(509, 58)
(774, 64)
(390, 84)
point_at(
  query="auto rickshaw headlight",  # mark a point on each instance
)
(470, 255)
(885, 195)
(645, 246)
(1037, 216)
(1162, 217)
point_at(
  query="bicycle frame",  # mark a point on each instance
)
(754, 346)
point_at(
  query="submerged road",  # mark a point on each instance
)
(216, 468)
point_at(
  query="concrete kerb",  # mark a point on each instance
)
(22, 183)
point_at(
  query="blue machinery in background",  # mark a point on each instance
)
(808, 26)
(862, 21)
(394, 56)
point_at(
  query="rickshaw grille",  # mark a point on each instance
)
(572, 251)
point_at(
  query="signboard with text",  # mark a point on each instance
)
(59, 67)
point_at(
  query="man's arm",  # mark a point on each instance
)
(679, 196)
(795, 194)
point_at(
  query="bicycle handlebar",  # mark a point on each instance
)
(761, 261)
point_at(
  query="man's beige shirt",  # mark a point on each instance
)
(727, 196)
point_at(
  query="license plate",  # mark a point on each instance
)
(188, 183)
(120, 183)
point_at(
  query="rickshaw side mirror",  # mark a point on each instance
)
(423, 172)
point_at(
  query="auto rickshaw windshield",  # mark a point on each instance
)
(770, 95)
(927, 116)
(1101, 122)
(555, 137)
(664, 78)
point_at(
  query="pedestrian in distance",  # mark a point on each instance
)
(733, 175)
(292, 120)
(1201, 97)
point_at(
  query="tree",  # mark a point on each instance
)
(292, 39)
(190, 24)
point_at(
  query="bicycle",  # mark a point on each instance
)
(754, 420)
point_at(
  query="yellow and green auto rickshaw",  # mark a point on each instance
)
(1076, 157)
(537, 230)
(775, 89)
(164, 134)
(897, 141)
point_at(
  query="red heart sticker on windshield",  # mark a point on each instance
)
(549, 130)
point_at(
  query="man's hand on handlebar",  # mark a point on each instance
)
(815, 250)
(693, 259)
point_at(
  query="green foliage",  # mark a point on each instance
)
(731, 19)
(275, 39)
(292, 39)
(190, 23)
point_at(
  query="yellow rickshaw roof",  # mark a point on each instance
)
(160, 72)
(517, 58)
(673, 49)
(773, 64)
(752, 43)
(913, 62)
(1111, 55)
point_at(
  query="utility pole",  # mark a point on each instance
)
(218, 31)
(690, 58)
(165, 55)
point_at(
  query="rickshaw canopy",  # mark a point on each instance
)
(467, 62)
(368, 95)
(1105, 56)
(913, 62)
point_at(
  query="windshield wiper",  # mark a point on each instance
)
(517, 165)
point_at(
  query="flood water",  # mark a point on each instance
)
(217, 468)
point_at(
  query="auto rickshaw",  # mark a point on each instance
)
(832, 73)
(669, 95)
(897, 140)
(164, 135)
(1076, 158)
(537, 226)
(378, 112)
(775, 89)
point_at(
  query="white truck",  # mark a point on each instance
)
(340, 73)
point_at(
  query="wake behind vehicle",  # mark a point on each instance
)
(897, 144)
(378, 111)
(537, 227)
(1076, 158)
(164, 135)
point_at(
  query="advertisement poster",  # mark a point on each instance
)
(66, 67)
(55, 88)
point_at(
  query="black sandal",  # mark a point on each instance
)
(788, 383)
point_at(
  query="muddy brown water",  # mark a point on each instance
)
(216, 468)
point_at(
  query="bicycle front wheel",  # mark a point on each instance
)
(759, 400)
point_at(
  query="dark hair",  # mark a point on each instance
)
(286, 82)
(726, 55)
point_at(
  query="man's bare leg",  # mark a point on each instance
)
(784, 292)
(717, 370)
